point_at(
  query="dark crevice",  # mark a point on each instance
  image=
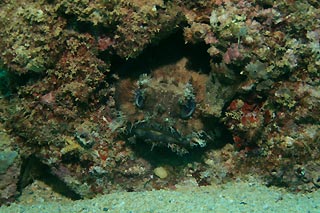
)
(10, 81)
(33, 169)
(167, 51)
(164, 156)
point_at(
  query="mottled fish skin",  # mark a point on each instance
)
(167, 108)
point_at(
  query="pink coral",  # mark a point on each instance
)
(232, 54)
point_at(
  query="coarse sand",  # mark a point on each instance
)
(236, 196)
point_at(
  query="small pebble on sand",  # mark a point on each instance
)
(161, 172)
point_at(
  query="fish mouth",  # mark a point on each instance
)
(155, 133)
(158, 135)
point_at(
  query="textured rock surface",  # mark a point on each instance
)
(249, 81)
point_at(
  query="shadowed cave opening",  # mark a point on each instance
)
(165, 52)
(169, 51)
(33, 169)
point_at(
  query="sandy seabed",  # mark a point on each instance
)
(231, 197)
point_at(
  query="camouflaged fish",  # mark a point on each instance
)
(171, 107)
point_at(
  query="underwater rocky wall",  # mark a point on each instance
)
(114, 95)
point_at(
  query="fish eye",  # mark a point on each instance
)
(187, 108)
(139, 99)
